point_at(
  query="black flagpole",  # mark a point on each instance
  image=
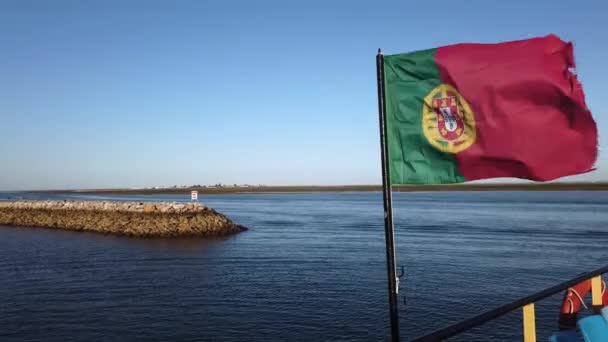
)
(388, 205)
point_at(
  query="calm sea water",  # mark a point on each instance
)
(311, 268)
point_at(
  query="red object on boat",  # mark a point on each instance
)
(575, 297)
(573, 300)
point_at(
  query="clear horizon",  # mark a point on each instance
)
(113, 94)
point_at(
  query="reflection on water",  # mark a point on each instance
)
(311, 267)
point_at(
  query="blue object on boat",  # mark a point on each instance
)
(565, 336)
(594, 328)
(605, 313)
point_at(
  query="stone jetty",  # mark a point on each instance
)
(141, 219)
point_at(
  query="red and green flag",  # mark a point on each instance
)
(475, 111)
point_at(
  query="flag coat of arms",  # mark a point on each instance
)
(476, 111)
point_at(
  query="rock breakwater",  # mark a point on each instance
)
(141, 219)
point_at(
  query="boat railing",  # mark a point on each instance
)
(527, 306)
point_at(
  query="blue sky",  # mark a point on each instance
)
(143, 93)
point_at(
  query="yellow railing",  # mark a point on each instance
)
(527, 305)
(528, 309)
(529, 323)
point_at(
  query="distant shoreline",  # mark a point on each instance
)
(340, 188)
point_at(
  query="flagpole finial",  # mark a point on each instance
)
(379, 51)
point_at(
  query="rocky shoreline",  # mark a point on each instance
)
(140, 219)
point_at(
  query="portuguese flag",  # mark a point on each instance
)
(474, 111)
